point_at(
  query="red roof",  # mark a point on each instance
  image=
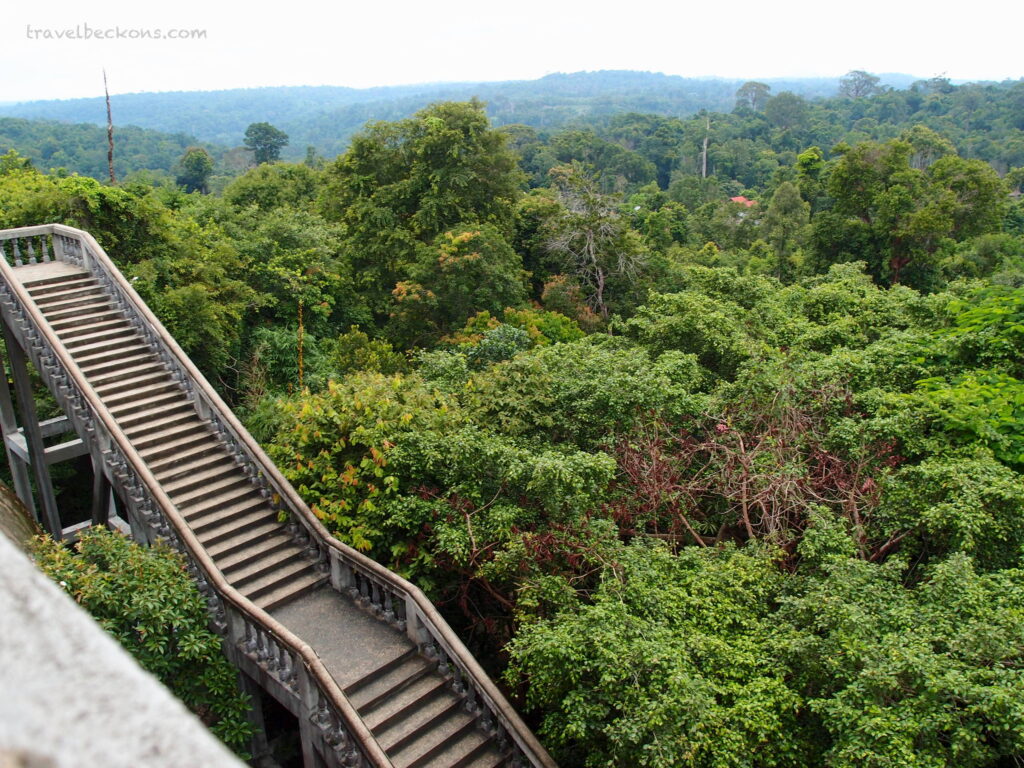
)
(743, 201)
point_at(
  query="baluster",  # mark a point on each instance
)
(442, 662)
(249, 642)
(272, 653)
(322, 716)
(458, 684)
(31, 250)
(285, 665)
(43, 249)
(364, 590)
(401, 619)
(471, 696)
(17, 254)
(261, 645)
(389, 611)
(486, 719)
(3, 251)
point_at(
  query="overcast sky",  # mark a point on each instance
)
(393, 42)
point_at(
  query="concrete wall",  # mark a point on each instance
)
(70, 696)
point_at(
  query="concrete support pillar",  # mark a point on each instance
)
(101, 501)
(258, 744)
(9, 426)
(33, 437)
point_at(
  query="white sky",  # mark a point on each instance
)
(391, 42)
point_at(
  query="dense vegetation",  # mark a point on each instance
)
(715, 482)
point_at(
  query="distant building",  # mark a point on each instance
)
(743, 201)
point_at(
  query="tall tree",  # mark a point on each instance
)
(785, 225)
(594, 242)
(898, 217)
(194, 169)
(401, 184)
(858, 84)
(265, 141)
(753, 95)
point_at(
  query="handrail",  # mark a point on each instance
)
(372, 751)
(350, 568)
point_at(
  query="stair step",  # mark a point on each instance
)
(74, 281)
(31, 285)
(394, 710)
(103, 315)
(176, 416)
(487, 755)
(266, 562)
(366, 697)
(75, 332)
(169, 434)
(241, 559)
(243, 539)
(127, 372)
(74, 315)
(69, 297)
(474, 749)
(422, 750)
(429, 714)
(114, 363)
(121, 346)
(103, 353)
(270, 562)
(227, 503)
(291, 590)
(277, 578)
(223, 515)
(247, 524)
(155, 376)
(62, 309)
(217, 468)
(230, 483)
(194, 456)
(164, 455)
(118, 331)
(145, 390)
(163, 399)
(140, 421)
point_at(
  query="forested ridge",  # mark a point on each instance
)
(706, 432)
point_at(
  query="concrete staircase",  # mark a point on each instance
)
(403, 697)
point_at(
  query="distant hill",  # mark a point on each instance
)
(326, 116)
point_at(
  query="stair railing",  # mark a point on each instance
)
(387, 595)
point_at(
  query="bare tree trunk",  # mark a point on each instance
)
(704, 154)
(110, 132)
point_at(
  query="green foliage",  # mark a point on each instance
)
(356, 351)
(265, 141)
(404, 184)
(194, 169)
(581, 393)
(671, 662)
(77, 147)
(468, 270)
(969, 503)
(694, 323)
(275, 185)
(146, 600)
(925, 676)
